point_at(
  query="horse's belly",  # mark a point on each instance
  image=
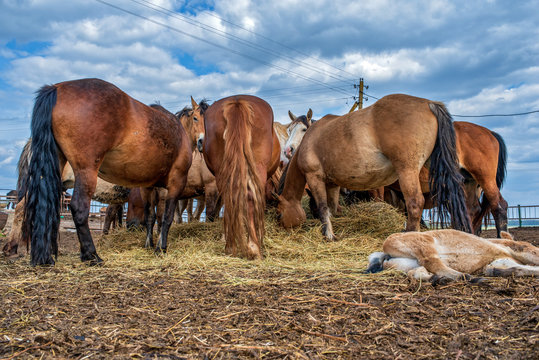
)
(464, 259)
(133, 171)
(369, 171)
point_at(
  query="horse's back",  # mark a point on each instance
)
(217, 125)
(477, 148)
(94, 119)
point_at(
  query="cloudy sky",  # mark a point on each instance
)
(479, 57)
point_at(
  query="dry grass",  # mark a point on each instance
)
(195, 246)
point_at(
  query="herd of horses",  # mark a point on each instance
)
(231, 153)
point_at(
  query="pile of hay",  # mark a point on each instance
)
(361, 229)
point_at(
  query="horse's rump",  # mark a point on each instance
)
(238, 148)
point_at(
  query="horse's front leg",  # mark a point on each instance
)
(318, 190)
(175, 188)
(213, 204)
(149, 215)
(85, 183)
(168, 217)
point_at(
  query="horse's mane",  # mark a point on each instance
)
(184, 112)
(302, 119)
(203, 104)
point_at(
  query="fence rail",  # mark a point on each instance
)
(517, 216)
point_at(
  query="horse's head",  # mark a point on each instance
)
(192, 119)
(198, 122)
(296, 130)
(290, 213)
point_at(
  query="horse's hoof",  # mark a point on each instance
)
(437, 280)
(48, 262)
(477, 280)
(91, 259)
(160, 251)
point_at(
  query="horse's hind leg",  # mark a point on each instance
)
(182, 205)
(147, 195)
(413, 197)
(333, 193)
(190, 210)
(318, 190)
(509, 267)
(201, 203)
(213, 203)
(85, 182)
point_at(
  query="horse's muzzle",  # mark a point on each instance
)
(200, 144)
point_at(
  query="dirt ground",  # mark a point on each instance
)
(78, 312)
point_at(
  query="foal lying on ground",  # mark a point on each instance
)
(451, 255)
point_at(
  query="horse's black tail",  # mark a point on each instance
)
(502, 160)
(445, 178)
(501, 172)
(42, 183)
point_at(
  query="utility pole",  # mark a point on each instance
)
(358, 104)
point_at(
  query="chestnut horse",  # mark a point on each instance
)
(201, 183)
(99, 130)
(242, 150)
(373, 147)
(482, 158)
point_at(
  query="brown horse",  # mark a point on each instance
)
(373, 147)
(99, 130)
(482, 158)
(483, 155)
(242, 150)
(105, 192)
(201, 182)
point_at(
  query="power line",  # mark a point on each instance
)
(495, 115)
(229, 36)
(221, 46)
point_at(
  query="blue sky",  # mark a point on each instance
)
(479, 57)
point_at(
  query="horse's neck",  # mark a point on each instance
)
(294, 184)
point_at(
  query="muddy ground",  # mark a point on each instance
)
(78, 312)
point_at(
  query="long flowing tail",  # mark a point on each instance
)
(501, 172)
(22, 168)
(42, 183)
(445, 178)
(238, 180)
(502, 160)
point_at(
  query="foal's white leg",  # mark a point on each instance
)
(420, 273)
(509, 267)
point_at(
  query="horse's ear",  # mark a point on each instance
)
(292, 116)
(193, 103)
(309, 114)
(506, 235)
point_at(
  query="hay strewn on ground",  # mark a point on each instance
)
(361, 230)
(306, 300)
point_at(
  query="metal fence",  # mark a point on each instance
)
(517, 216)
